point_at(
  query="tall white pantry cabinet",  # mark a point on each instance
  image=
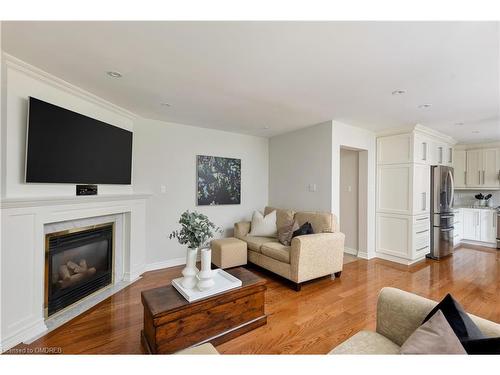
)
(403, 191)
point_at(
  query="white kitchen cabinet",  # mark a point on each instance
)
(479, 225)
(482, 168)
(394, 149)
(459, 168)
(439, 153)
(490, 167)
(471, 221)
(474, 161)
(403, 191)
(403, 236)
(421, 189)
(487, 226)
(450, 154)
(403, 188)
(457, 227)
(421, 147)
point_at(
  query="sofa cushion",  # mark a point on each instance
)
(321, 221)
(276, 251)
(254, 243)
(283, 217)
(367, 342)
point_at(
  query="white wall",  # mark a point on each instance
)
(365, 141)
(297, 160)
(22, 81)
(349, 177)
(165, 154)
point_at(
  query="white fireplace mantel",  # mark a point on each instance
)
(23, 252)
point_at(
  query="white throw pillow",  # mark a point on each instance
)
(264, 226)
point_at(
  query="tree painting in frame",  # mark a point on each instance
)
(218, 180)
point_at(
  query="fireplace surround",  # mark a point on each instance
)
(78, 262)
(25, 223)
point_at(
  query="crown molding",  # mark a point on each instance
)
(420, 129)
(480, 145)
(41, 75)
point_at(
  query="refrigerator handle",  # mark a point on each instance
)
(452, 188)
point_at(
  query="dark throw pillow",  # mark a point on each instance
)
(489, 345)
(304, 229)
(460, 322)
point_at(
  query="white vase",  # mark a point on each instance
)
(205, 280)
(190, 271)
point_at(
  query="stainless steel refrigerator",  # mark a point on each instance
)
(441, 211)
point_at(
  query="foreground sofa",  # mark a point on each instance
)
(399, 314)
(309, 257)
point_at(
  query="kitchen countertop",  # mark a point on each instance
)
(478, 207)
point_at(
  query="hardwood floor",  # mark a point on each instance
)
(323, 314)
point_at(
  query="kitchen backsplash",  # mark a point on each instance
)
(466, 197)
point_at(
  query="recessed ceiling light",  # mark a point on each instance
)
(459, 123)
(475, 131)
(166, 104)
(398, 92)
(424, 106)
(113, 74)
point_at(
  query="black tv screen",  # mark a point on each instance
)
(67, 147)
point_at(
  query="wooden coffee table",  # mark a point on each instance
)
(171, 323)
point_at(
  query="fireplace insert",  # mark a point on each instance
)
(78, 262)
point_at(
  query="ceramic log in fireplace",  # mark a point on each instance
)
(78, 262)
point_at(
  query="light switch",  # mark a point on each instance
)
(163, 189)
(349, 188)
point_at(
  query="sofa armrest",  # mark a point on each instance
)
(241, 229)
(400, 313)
(316, 255)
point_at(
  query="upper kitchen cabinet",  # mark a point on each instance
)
(491, 168)
(441, 153)
(395, 149)
(474, 168)
(477, 168)
(420, 145)
(460, 168)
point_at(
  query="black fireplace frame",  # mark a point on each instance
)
(60, 241)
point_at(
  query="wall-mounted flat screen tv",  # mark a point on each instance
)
(63, 146)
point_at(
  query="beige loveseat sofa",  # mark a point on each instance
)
(309, 257)
(399, 314)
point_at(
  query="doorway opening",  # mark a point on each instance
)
(353, 202)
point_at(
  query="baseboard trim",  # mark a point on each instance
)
(350, 251)
(364, 255)
(165, 264)
(37, 328)
(477, 243)
(392, 258)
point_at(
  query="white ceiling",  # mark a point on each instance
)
(244, 76)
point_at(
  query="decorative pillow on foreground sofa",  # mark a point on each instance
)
(465, 330)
